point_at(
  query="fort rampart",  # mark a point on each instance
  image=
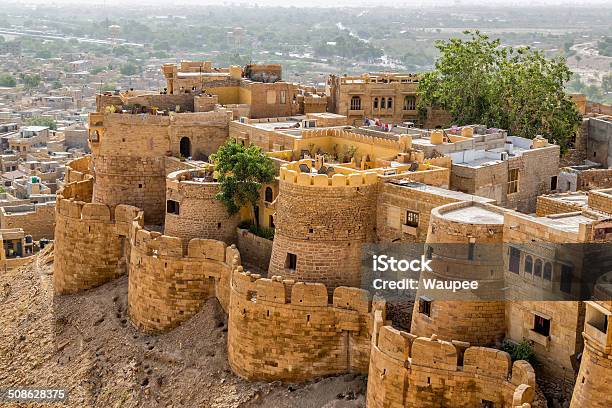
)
(321, 223)
(419, 372)
(170, 278)
(305, 335)
(192, 211)
(465, 242)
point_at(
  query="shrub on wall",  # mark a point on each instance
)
(520, 351)
(267, 233)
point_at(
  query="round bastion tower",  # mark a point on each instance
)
(592, 389)
(128, 161)
(192, 211)
(321, 222)
(464, 243)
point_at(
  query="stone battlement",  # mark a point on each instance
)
(89, 247)
(220, 117)
(391, 142)
(306, 335)
(321, 180)
(170, 278)
(78, 169)
(287, 291)
(406, 370)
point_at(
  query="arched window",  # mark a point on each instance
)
(538, 268)
(356, 103)
(528, 264)
(185, 147)
(409, 103)
(268, 196)
(548, 271)
(390, 103)
(383, 103)
(375, 103)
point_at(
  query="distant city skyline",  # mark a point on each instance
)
(338, 3)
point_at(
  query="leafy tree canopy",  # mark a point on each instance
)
(479, 81)
(7, 80)
(42, 121)
(31, 81)
(241, 173)
(129, 69)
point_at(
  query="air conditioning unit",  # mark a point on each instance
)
(309, 123)
(504, 156)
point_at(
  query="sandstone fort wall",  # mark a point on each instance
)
(410, 371)
(129, 156)
(170, 278)
(200, 214)
(89, 243)
(305, 336)
(322, 221)
(478, 322)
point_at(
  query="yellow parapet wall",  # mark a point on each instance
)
(169, 281)
(410, 371)
(305, 336)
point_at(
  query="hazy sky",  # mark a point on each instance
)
(332, 3)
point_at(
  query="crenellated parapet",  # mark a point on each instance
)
(90, 244)
(289, 174)
(321, 222)
(170, 278)
(338, 133)
(78, 170)
(420, 372)
(306, 335)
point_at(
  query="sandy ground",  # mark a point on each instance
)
(86, 344)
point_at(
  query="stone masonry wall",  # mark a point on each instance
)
(282, 330)
(406, 371)
(547, 205)
(254, 250)
(89, 244)
(323, 221)
(200, 214)
(592, 388)
(475, 321)
(129, 158)
(39, 223)
(594, 178)
(170, 278)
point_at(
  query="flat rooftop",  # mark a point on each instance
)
(440, 191)
(580, 198)
(570, 222)
(474, 215)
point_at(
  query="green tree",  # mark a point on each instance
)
(31, 81)
(42, 121)
(479, 81)
(241, 173)
(129, 69)
(7, 80)
(606, 82)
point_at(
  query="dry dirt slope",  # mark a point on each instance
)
(86, 344)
